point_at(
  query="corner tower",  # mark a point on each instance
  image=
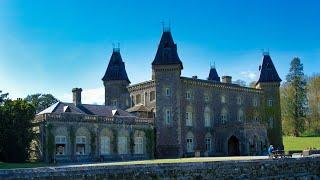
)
(115, 81)
(166, 71)
(269, 82)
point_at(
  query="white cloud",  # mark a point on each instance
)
(249, 74)
(89, 96)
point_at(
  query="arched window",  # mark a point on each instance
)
(208, 142)
(239, 100)
(240, 115)
(190, 142)
(224, 116)
(207, 117)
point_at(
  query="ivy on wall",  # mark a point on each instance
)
(50, 141)
(93, 142)
(150, 144)
(72, 135)
(114, 141)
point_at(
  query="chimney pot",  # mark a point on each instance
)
(76, 92)
(227, 79)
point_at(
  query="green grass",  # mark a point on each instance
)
(300, 143)
(22, 165)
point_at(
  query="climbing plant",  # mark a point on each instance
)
(50, 141)
(72, 139)
(150, 138)
(114, 141)
(93, 142)
(131, 142)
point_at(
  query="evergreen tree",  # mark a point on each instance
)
(3, 97)
(297, 98)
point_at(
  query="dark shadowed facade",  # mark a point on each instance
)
(168, 116)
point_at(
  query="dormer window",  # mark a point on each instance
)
(66, 109)
(114, 102)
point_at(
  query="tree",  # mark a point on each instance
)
(41, 101)
(240, 82)
(313, 95)
(296, 98)
(15, 130)
(3, 97)
(252, 84)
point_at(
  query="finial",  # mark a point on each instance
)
(265, 53)
(166, 28)
(116, 49)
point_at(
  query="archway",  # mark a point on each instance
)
(233, 146)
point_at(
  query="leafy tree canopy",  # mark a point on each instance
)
(3, 96)
(15, 130)
(41, 101)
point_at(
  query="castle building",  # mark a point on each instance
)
(167, 116)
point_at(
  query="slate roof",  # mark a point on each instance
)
(213, 75)
(116, 69)
(167, 51)
(268, 72)
(85, 109)
(138, 108)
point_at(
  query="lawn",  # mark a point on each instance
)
(22, 165)
(300, 143)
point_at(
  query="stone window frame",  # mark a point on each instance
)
(223, 99)
(206, 97)
(190, 142)
(208, 146)
(138, 98)
(168, 92)
(168, 116)
(239, 100)
(122, 145)
(189, 118)
(138, 145)
(60, 143)
(207, 120)
(224, 115)
(81, 142)
(105, 148)
(240, 115)
(270, 102)
(114, 102)
(271, 122)
(188, 95)
(255, 102)
(152, 96)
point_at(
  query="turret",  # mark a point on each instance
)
(166, 71)
(213, 75)
(116, 81)
(269, 82)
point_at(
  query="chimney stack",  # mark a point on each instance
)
(227, 79)
(76, 93)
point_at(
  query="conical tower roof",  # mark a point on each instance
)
(167, 51)
(116, 69)
(268, 72)
(213, 75)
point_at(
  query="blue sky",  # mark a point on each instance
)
(53, 46)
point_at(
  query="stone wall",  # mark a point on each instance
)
(303, 168)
